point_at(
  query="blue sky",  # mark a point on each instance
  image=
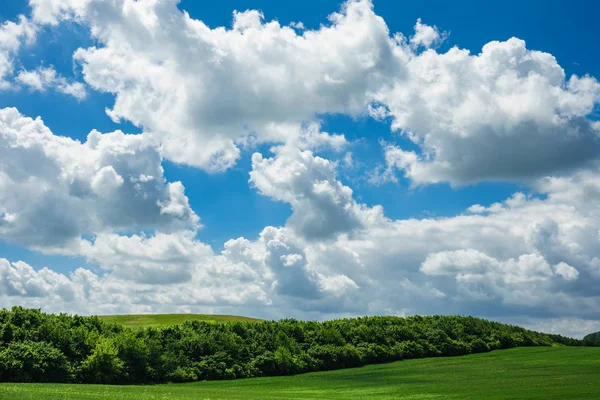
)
(230, 206)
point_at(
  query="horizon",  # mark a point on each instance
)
(312, 160)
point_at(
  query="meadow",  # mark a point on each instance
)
(521, 373)
(161, 320)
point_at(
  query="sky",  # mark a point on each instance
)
(311, 160)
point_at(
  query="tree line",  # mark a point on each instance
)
(592, 339)
(40, 347)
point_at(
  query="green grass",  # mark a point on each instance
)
(160, 320)
(524, 373)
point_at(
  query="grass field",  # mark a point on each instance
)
(160, 320)
(522, 373)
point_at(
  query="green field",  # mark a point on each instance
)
(160, 320)
(522, 373)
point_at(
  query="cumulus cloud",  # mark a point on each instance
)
(566, 271)
(500, 263)
(426, 35)
(46, 77)
(19, 279)
(158, 259)
(54, 189)
(12, 36)
(203, 91)
(202, 94)
(322, 206)
(169, 271)
(86, 292)
(481, 277)
(53, 11)
(507, 113)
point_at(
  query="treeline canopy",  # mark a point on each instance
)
(39, 347)
(592, 338)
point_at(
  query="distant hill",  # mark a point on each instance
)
(161, 320)
(592, 338)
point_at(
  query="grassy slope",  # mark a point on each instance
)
(159, 320)
(523, 373)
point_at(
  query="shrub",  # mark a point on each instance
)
(33, 362)
(104, 364)
(183, 374)
(479, 346)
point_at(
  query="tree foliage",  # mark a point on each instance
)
(39, 347)
(592, 339)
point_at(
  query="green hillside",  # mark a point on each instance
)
(160, 320)
(592, 338)
(543, 373)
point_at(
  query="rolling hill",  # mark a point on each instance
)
(592, 338)
(161, 320)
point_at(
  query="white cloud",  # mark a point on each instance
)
(44, 78)
(348, 160)
(507, 113)
(158, 259)
(426, 35)
(569, 326)
(322, 206)
(289, 260)
(483, 278)
(202, 91)
(201, 94)
(395, 158)
(36, 80)
(174, 270)
(566, 271)
(476, 209)
(524, 256)
(84, 292)
(297, 25)
(12, 36)
(19, 279)
(66, 189)
(528, 258)
(106, 181)
(53, 11)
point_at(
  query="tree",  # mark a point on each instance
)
(29, 361)
(104, 364)
(592, 338)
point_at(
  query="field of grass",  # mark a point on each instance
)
(160, 320)
(522, 373)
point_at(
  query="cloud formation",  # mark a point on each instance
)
(43, 78)
(501, 264)
(203, 95)
(54, 189)
(322, 206)
(507, 113)
(12, 36)
(201, 92)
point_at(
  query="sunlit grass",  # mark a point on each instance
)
(521, 373)
(161, 320)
